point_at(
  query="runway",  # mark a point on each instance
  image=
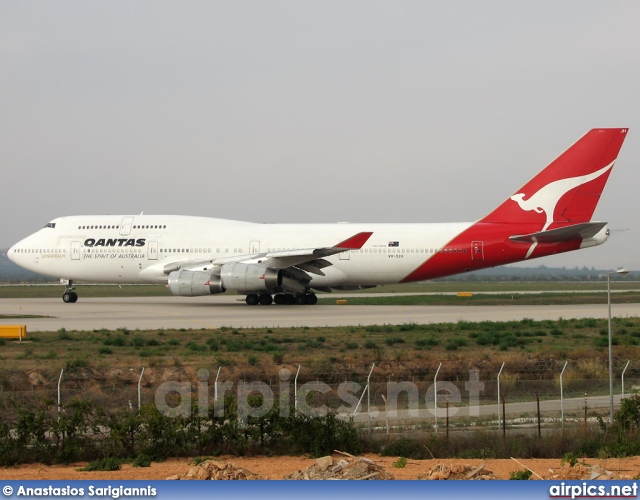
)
(214, 312)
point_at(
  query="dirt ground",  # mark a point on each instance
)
(278, 467)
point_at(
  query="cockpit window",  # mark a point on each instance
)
(51, 224)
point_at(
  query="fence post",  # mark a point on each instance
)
(499, 373)
(366, 389)
(447, 421)
(504, 419)
(539, 418)
(295, 390)
(562, 395)
(435, 396)
(59, 382)
(625, 369)
(140, 389)
(215, 386)
(386, 412)
(369, 396)
(585, 411)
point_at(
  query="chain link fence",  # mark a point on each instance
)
(431, 397)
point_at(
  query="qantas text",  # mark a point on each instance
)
(111, 242)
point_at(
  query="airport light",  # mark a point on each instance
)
(619, 271)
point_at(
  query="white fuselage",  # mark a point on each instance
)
(137, 249)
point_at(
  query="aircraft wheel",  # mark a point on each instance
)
(74, 297)
(311, 299)
(280, 299)
(67, 298)
(299, 300)
(289, 299)
(252, 299)
(266, 299)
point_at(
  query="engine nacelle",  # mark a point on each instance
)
(250, 277)
(236, 276)
(195, 283)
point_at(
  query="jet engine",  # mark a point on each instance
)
(236, 276)
(194, 283)
(250, 277)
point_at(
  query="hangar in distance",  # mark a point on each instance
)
(286, 263)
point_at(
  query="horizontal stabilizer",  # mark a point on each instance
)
(584, 230)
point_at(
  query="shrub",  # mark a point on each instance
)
(408, 327)
(569, 458)
(196, 347)
(212, 343)
(313, 344)
(428, 342)
(76, 363)
(104, 464)
(401, 463)
(628, 416)
(142, 460)
(520, 475)
(604, 341)
(117, 341)
(453, 344)
(391, 341)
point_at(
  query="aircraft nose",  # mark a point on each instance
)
(10, 253)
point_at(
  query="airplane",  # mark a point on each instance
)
(287, 263)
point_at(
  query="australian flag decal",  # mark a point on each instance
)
(394, 243)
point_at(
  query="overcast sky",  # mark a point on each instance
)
(300, 111)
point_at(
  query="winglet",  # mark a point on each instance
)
(356, 242)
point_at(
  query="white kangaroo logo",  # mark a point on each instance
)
(546, 198)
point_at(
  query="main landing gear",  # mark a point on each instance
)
(282, 298)
(69, 296)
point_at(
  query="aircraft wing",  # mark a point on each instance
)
(311, 259)
(584, 230)
(306, 259)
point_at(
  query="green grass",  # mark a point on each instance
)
(471, 343)
(486, 299)
(55, 290)
(50, 291)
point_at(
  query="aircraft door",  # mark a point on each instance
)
(75, 250)
(152, 250)
(254, 247)
(346, 255)
(477, 250)
(125, 226)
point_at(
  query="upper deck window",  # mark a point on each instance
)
(51, 224)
